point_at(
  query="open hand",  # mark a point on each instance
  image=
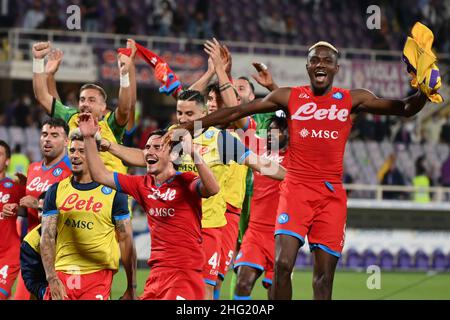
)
(88, 125)
(54, 60)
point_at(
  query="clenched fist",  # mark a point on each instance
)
(41, 49)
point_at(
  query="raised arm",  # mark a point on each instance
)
(52, 66)
(97, 169)
(366, 101)
(123, 109)
(41, 93)
(274, 101)
(131, 156)
(227, 91)
(133, 86)
(208, 185)
(202, 83)
(124, 233)
(264, 76)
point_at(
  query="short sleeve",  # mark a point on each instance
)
(231, 149)
(127, 184)
(117, 130)
(120, 207)
(50, 208)
(61, 111)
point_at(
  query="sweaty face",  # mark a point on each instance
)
(91, 101)
(53, 141)
(155, 156)
(244, 90)
(322, 66)
(189, 111)
(214, 102)
(4, 161)
(77, 157)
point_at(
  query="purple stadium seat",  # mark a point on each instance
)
(369, 258)
(404, 260)
(353, 259)
(438, 261)
(386, 259)
(421, 260)
(303, 259)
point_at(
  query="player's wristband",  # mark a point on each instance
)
(125, 80)
(38, 65)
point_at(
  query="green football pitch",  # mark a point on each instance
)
(347, 286)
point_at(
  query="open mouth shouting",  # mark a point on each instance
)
(150, 159)
(320, 76)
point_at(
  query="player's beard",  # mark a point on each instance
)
(54, 152)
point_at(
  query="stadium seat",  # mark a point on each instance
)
(386, 259)
(421, 260)
(404, 260)
(4, 135)
(353, 259)
(16, 136)
(369, 258)
(438, 260)
(303, 259)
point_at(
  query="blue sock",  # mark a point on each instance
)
(236, 297)
(216, 294)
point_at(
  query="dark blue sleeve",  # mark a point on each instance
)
(33, 272)
(50, 201)
(120, 207)
(230, 148)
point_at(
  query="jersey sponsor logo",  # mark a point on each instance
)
(187, 168)
(161, 212)
(283, 218)
(106, 190)
(319, 134)
(209, 134)
(338, 96)
(169, 195)
(8, 185)
(79, 224)
(72, 202)
(37, 185)
(4, 198)
(310, 111)
(57, 172)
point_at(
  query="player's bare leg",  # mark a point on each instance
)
(286, 248)
(246, 278)
(323, 274)
(209, 292)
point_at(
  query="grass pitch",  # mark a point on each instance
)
(348, 285)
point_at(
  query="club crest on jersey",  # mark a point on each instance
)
(57, 172)
(106, 190)
(8, 185)
(283, 218)
(338, 96)
(209, 134)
